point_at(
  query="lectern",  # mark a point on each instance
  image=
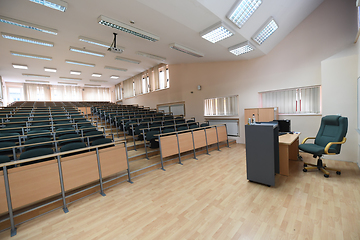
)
(262, 152)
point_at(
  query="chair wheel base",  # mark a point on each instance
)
(305, 165)
(304, 170)
(338, 172)
(326, 175)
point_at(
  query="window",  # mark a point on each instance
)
(167, 78)
(176, 108)
(162, 79)
(305, 100)
(148, 84)
(15, 94)
(222, 106)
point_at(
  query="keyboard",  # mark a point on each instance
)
(282, 133)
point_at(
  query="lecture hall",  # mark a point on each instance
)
(191, 119)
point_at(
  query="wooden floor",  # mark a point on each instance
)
(210, 198)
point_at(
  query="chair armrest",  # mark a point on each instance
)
(307, 139)
(331, 143)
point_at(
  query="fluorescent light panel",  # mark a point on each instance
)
(92, 85)
(127, 28)
(93, 41)
(26, 39)
(128, 60)
(75, 72)
(79, 50)
(80, 63)
(36, 81)
(67, 83)
(71, 79)
(93, 80)
(241, 48)
(54, 4)
(114, 77)
(50, 69)
(28, 25)
(185, 50)
(217, 32)
(265, 32)
(242, 11)
(148, 55)
(19, 54)
(18, 66)
(96, 75)
(35, 75)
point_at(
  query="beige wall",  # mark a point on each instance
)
(339, 94)
(295, 62)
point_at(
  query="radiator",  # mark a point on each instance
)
(232, 126)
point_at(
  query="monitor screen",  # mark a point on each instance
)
(284, 125)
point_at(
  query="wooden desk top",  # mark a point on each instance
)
(288, 139)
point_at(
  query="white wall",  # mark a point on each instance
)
(339, 94)
(295, 62)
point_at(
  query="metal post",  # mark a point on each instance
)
(177, 137)
(14, 152)
(192, 133)
(100, 175)
(227, 138)
(127, 160)
(88, 142)
(217, 137)
(56, 147)
(62, 185)
(132, 130)
(8, 198)
(161, 157)
(147, 157)
(207, 147)
(116, 126)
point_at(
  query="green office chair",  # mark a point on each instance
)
(328, 141)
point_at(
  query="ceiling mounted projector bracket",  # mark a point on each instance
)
(113, 47)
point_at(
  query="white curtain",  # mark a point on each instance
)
(37, 92)
(96, 94)
(294, 100)
(222, 106)
(66, 93)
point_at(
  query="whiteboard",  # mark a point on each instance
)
(163, 108)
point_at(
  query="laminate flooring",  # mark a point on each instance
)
(210, 198)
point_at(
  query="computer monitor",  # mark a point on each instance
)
(284, 125)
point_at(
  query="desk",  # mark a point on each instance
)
(288, 149)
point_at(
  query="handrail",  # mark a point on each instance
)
(169, 125)
(57, 154)
(189, 130)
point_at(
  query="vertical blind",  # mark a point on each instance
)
(294, 100)
(222, 106)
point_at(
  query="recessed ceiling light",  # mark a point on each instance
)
(242, 11)
(28, 25)
(50, 69)
(241, 48)
(35, 75)
(117, 69)
(217, 32)
(20, 66)
(96, 75)
(265, 32)
(54, 4)
(148, 55)
(127, 28)
(80, 63)
(36, 81)
(92, 85)
(26, 39)
(114, 77)
(79, 50)
(19, 54)
(185, 50)
(75, 72)
(71, 79)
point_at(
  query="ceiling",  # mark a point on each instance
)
(174, 21)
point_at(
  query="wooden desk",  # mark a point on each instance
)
(288, 149)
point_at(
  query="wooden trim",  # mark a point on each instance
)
(211, 136)
(169, 145)
(29, 184)
(199, 139)
(79, 170)
(186, 142)
(112, 160)
(3, 201)
(222, 134)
